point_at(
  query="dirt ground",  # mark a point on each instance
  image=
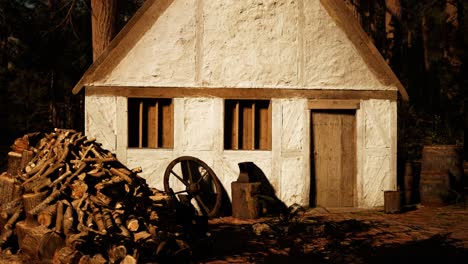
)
(318, 235)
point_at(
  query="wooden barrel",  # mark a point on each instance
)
(434, 185)
(410, 182)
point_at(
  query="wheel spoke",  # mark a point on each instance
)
(187, 170)
(184, 191)
(203, 176)
(180, 179)
(202, 204)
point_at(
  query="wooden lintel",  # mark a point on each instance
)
(333, 104)
(240, 93)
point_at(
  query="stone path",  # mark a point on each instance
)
(337, 236)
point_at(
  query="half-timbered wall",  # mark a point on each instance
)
(198, 131)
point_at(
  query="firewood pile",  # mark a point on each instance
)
(65, 199)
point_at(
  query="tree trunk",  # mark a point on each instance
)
(104, 15)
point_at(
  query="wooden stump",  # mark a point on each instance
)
(392, 202)
(244, 200)
(37, 241)
(9, 189)
(14, 163)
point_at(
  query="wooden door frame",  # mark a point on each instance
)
(331, 105)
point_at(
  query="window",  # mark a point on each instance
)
(247, 124)
(150, 123)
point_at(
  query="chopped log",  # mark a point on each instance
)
(46, 216)
(13, 219)
(14, 163)
(128, 260)
(132, 223)
(20, 144)
(118, 222)
(140, 236)
(98, 259)
(26, 158)
(49, 244)
(137, 170)
(30, 236)
(97, 217)
(117, 253)
(79, 188)
(66, 255)
(32, 200)
(9, 189)
(45, 202)
(107, 217)
(59, 217)
(116, 172)
(68, 222)
(86, 259)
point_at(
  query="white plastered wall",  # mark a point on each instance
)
(242, 44)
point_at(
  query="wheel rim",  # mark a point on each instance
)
(191, 179)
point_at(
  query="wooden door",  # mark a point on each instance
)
(334, 157)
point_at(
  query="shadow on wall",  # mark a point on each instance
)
(269, 203)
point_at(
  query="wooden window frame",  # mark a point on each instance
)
(151, 122)
(247, 124)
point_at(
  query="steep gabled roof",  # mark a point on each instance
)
(350, 26)
(152, 10)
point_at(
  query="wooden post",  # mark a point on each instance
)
(392, 202)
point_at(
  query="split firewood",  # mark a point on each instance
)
(97, 216)
(132, 223)
(68, 221)
(128, 260)
(9, 189)
(98, 259)
(32, 200)
(117, 253)
(116, 172)
(46, 216)
(66, 174)
(141, 236)
(59, 217)
(67, 255)
(45, 202)
(78, 188)
(118, 222)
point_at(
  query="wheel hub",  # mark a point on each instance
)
(193, 188)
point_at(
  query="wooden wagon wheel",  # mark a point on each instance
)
(192, 180)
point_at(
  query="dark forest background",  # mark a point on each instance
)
(45, 47)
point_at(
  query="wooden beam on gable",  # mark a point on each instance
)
(345, 20)
(240, 93)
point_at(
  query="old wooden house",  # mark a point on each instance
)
(295, 86)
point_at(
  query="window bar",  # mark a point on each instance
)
(140, 125)
(252, 127)
(235, 127)
(156, 124)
